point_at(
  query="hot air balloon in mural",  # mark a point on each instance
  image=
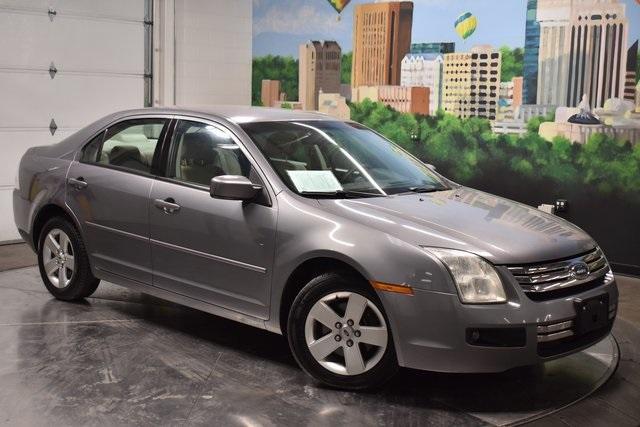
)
(339, 5)
(466, 25)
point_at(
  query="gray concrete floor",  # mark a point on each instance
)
(124, 358)
(617, 402)
(15, 256)
(629, 301)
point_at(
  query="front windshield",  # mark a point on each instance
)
(316, 158)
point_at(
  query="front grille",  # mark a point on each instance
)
(557, 279)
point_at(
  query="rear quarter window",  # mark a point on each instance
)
(92, 149)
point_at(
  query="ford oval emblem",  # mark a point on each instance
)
(579, 271)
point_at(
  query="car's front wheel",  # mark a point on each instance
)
(63, 261)
(339, 334)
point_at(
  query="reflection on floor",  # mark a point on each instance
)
(127, 358)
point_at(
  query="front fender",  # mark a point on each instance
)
(305, 231)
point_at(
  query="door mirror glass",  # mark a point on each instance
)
(233, 187)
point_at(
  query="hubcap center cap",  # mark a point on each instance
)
(347, 331)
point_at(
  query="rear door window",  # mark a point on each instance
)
(130, 145)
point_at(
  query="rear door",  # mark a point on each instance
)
(108, 190)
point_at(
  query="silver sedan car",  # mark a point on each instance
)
(319, 229)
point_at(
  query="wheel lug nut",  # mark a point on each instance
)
(338, 338)
(357, 333)
(350, 322)
(338, 325)
(349, 343)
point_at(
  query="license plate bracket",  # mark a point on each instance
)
(591, 314)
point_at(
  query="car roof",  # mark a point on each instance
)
(235, 113)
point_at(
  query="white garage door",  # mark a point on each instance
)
(98, 50)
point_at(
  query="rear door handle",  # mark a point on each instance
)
(167, 205)
(78, 183)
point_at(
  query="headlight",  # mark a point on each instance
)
(476, 280)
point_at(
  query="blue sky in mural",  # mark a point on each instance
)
(279, 26)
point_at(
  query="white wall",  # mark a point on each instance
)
(201, 55)
(98, 50)
(203, 52)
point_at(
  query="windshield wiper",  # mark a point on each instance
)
(426, 189)
(343, 194)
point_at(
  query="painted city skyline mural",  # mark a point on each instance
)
(279, 26)
(534, 100)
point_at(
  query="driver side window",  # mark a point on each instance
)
(201, 152)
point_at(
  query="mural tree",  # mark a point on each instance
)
(345, 68)
(273, 67)
(467, 151)
(512, 62)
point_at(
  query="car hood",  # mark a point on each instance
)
(498, 229)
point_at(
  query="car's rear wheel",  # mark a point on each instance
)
(63, 261)
(339, 334)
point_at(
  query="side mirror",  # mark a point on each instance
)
(233, 187)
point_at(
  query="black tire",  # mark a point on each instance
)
(82, 283)
(315, 290)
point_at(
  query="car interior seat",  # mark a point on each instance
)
(228, 160)
(198, 159)
(284, 145)
(127, 157)
(146, 146)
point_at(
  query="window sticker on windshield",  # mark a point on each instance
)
(315, 181)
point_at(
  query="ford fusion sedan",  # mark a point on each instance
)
(318, 229)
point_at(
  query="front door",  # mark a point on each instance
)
(108, 190)
(216, 251)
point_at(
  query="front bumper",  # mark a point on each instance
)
(431, 330)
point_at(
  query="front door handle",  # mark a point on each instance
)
(78, 183)
(167, 205)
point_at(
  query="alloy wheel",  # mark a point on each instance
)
(58, 258)
(346, 333)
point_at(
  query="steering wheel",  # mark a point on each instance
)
(351, 171)
(331, 157)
